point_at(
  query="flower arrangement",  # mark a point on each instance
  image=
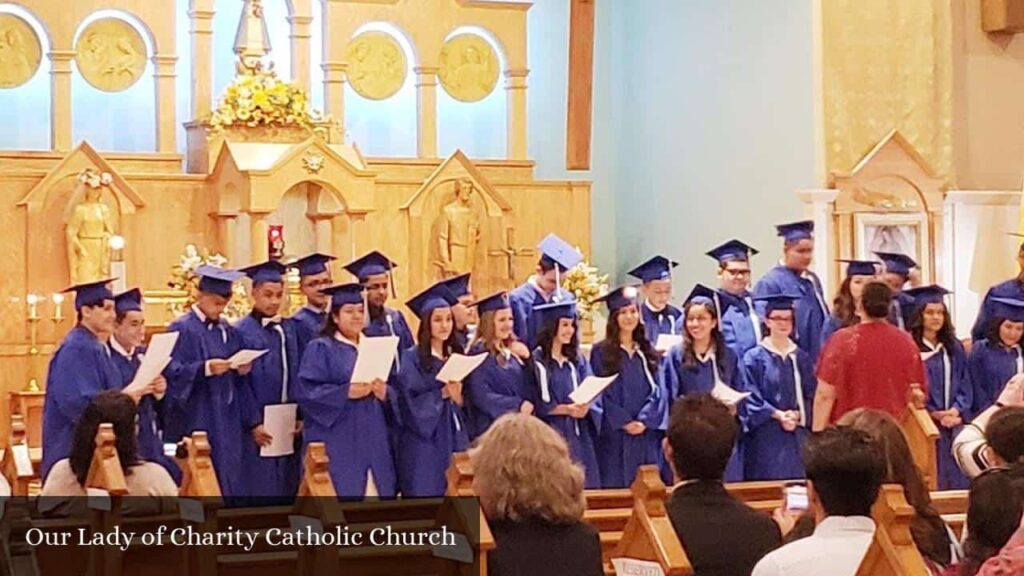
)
(94, 179)
(257, 98)
(587, 284)
(184, 279)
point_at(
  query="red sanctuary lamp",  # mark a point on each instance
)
(275, 241)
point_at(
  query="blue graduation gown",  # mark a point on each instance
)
(432, 429)
(1012, 288)
(150, 437)
(555, 382)
(901, 310)
(990, 367)
(700, 379)
(832, 325)
(357, 432)
(949, 386)
(494, 389)
(276, 477)
(772, 453)
(636, 395)
(664, 322)
(737, 325)
(79, 370)
(391, 323)
(522, 299)
(811, 309)
(308, 325)
(220, 405)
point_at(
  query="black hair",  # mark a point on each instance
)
(876, 299)
(994, 507)
(547, 336)
(702, 433)
(847, 467)
(113, 407)
(451, 344)
(1005, 433)
(611, 349)
(946, 334)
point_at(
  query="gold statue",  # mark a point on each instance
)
(458, 232)
(89, 230)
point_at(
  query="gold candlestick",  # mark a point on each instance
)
(32, 301)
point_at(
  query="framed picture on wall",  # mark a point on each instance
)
(901, 233)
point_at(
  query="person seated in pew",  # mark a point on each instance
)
(847, 308)
(64, 491)
(314, 275)
(531, 493)
(994, 360)
(996, 436)
(994, 510)
(845, 470)
(721, 535)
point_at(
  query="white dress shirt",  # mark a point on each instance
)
(836, 548)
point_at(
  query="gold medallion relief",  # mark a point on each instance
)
(469, 67)
(20, 51)
(111, 55)
(376, 65)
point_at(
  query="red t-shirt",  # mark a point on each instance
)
(871, 365)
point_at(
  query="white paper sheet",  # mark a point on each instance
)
(458, 367)
(727, 395)
(591, 388)
(376, 356)
(279, 422)
(22, 461)
(631, 567)
(667, 341)
(157, 357)
(243, 357)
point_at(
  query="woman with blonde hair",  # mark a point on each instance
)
(532, 495)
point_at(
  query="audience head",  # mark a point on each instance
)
(994, 509)
(522, 470)
(108, 407)
(1005, 435)
(876, 300)
(700, 439)
(845, 469)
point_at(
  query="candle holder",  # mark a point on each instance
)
(32, 302)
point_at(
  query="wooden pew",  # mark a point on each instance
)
(17, 463)
(318, 499)
(199, 484)
(921, 434)
(105, 474)
(649, 535)
(892, 551)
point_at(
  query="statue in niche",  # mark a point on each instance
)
(458, 232)
(89, 230)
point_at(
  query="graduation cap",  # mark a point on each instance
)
(795, 231)
(1008, 308)
(129, 301)
(91, 293)
(458, 285)
(217, 281)
(312, 264)
(733, 250)
(341, 294)
(434, 297)
(619, 298)
(860, 267)
(494, 302)
(657, 268)
(701, 294)
(560, 255)
(897, 263)
(773, 302)
(554, 311)
(372, 264)
(923, 295)
(269, 271)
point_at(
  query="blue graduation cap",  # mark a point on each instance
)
(860, 267)
(773, 302)
(923, 295)
(458, 285)
(701, 294)
(492, 303)
(553, 311)
(434, 297)
(733, 250)
(91, 293)
(341, 294)
(128, 301)
(372, 264)
(269, 271)
(795, 231)
(217, 281)
(1008, 309)
(897, 263)
(558, 253)
(619, 298)
(657, 268)
(312, 264)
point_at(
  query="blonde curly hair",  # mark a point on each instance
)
(522, 470)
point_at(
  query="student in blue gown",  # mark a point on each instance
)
(1012, 288)
(557, 257)
(949, 384)
(374, 272)
(433, 422)
(353, 419)
(559, 369)
(793, 276)
(703, 362)
(657, 314)
(846, 307)
(501, 384)
(274, 381)
(740, 323)
(997, 358)
(314, 275)
(462, 312)
(635, 404)
(206, 392)
(80, 369)
(780, 377)
(896, 275)
(127, 352)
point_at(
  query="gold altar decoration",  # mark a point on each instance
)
(469, 67)
(587, 284)
(256, 99)
(20, 51)
(90, 229)
(887, 64)
(111, 55)
(376, 65)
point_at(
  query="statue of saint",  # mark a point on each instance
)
(458, 232)
(88, 232)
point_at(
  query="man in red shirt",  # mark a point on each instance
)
(870, 365)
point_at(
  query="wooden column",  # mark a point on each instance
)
(166, 115)
(227, 230)
(581, 85)
(324, 225)
(334, 97)
(200, 13)
(515, 85)
(300, 37)
(426, 111)
(258, 239)
(60, 99)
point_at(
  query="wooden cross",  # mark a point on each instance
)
(581, 85)
(510, 252)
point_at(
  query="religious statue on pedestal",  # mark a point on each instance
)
(458, 232)
(89, 230)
